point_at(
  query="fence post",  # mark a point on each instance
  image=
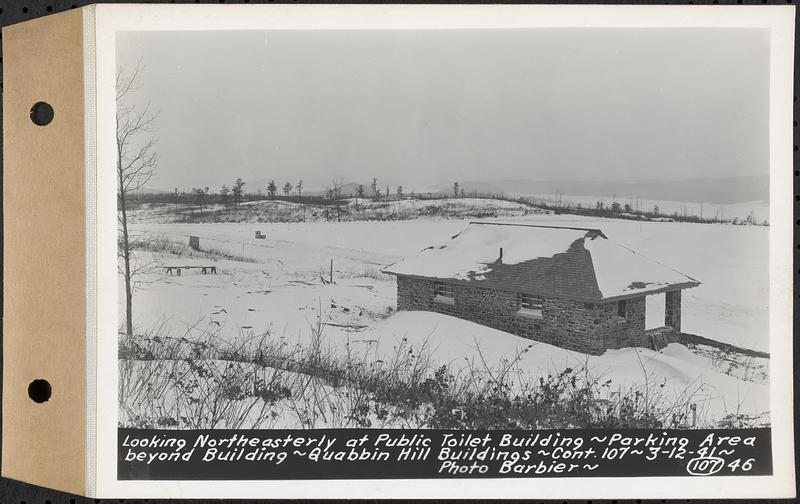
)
(331, 274)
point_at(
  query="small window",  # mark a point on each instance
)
(443, 289)
(529, 305)
(622, 309)
(443, 293)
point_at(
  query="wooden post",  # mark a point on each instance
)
(331, 274)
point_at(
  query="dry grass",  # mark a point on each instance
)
(329, 210)
(203, 380)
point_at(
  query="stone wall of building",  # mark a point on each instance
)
(586, 327)
(414, 294)
(614, 331)
(672, 311)
(564, 323)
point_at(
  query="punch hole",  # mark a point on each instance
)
(40, 390)
(42, 113)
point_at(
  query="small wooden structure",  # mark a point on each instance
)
(177, 269)
(194, 242)
(260, 235)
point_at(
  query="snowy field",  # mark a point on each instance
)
(350, 209)
(280, 285)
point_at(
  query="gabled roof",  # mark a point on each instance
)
(569, 263)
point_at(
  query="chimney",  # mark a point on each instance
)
(501, 254)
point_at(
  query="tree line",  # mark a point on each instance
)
(334, 194)
(234, 194)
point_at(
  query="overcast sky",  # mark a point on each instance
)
(425, 108)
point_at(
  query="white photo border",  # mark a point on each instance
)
(110, 19)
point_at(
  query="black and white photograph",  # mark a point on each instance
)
(299, 251)
(520, 229)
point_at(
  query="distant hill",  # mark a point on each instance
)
(725, 190)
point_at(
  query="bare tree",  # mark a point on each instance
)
(200, 194)
(225, 194)
(299, 189)
(238, 191)
(374, 187)
(287, 188)
(337, 186)
(136, 164)
(335, 193)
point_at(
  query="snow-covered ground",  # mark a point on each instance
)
(347, 209)
(675, 375)
(281, 286)
(445, 202)
(459, 343)
(730, 261)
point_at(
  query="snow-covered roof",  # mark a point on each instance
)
(571, 263)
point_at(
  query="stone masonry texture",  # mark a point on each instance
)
(585, 327)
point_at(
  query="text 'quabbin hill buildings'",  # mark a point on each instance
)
(570, 287)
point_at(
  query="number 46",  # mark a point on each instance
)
(738, 464)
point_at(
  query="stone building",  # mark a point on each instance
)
(570, 287)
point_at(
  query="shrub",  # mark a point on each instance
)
(203, 380)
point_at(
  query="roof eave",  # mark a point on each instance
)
(432, 278)
(661, 290)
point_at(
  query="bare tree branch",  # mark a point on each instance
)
(136, 164)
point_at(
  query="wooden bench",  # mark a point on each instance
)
(177, 269)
